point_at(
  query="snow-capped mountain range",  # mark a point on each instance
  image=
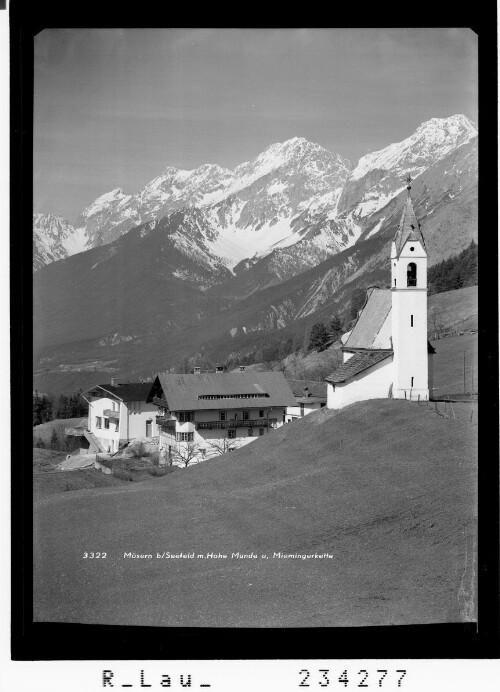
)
(296, 204)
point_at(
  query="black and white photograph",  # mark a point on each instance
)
(255, 328)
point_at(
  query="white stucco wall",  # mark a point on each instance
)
(203, 437)
(409, 336)
(132, 421)
(294, 411)
(139, 413)
(109, 437)
(374, 383)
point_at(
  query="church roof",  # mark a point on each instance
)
(373, 326)
(409, 228)
(357, 363)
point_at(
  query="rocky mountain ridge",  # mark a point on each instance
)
(296, 203)
(175, 287)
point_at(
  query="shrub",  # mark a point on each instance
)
(160, 470)
(138, 450)
(124, 475)
(155, 457)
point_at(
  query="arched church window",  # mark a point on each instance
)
(411, 274)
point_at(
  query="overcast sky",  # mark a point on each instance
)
(114, 107)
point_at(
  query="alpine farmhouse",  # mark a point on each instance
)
(387, 354)
(310, 396)
(216, 412)
(118, 414)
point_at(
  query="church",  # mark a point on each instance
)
(386, 354)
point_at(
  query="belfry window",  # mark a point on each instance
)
(411, 274)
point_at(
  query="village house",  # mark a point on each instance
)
(210, 413)
(118, 414)
(309, 396)
(387, 354)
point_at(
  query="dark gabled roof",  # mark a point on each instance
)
(182, 392)
(132, 391)
(357, 363)
(317, 390)
(373, 328)
(409, 228)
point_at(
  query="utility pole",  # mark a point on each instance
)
(464, 372)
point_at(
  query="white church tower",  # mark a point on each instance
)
(409, 308)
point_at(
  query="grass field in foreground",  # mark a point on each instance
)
(388, 488)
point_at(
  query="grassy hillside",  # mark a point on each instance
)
(44, 430)
(449, 364)
(387, 488)
(449, 312)
(454, 310)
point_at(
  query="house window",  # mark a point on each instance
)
(261, 413)
(302, 409)
(106, 423)
(250, 432)
(246, 415)
(222, 415)
(261, 431)
(117, 426)
(412, 381)
(394, 281)
(185, 416)
(98, 422)
(184, 437)
(411, 274)
(231, 434)
(411, 320)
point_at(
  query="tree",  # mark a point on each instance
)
(62, 407)
(224, 445)
(335, 327)
(357, 301)
(320, 337)
(185, 453)
(435, 321)
(54, 439)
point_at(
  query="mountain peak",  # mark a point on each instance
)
(432, 140)
(453, 124)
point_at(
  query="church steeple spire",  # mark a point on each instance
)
(409, 228)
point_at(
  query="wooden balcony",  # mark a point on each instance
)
(111, 413)
(214, 424)
(165, 422)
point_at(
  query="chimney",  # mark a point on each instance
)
(241, 368)
(305, 392)
(197, 371)
(114, 382)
